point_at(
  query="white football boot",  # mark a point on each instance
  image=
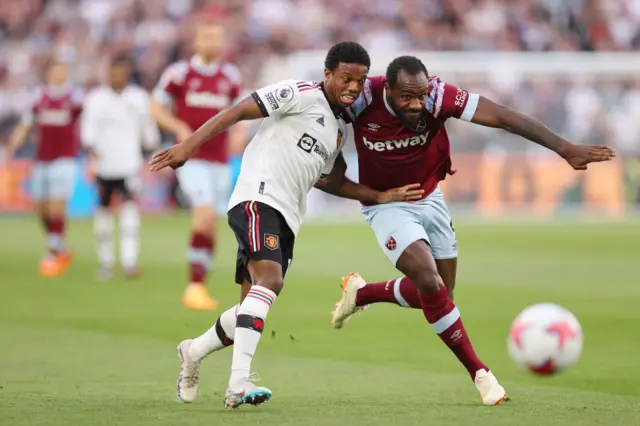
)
(490, 390)
(247, 393)
(187, 384)
(347, 304)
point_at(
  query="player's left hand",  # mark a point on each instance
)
(411, 192)
(578, 156)
(173, 157)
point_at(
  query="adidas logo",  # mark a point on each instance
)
(320, 121)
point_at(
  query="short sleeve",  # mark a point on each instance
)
(170, 84)
(278, 99)
(446, 101)
(363, 101)
(28, 115)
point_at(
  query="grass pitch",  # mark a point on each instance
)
(80, 352)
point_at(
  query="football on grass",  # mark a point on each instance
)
(545, 339)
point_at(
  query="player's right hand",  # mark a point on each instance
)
(173, 157)
(411, 192)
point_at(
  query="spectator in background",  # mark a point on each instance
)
(85, 32)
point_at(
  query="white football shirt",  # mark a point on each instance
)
(117, 126)
(296, 144)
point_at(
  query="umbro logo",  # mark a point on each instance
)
(320, 121)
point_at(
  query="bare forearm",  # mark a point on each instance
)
(247, 109)
(19, 137)
(215, 125)
(359, 192)
(351, 190)
(534, 131)
(491, 114)
(165, 119)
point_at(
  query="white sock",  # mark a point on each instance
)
(251, 315)
(103, 228)
(217, 337)
(129, 234)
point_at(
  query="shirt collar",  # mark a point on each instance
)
(204, 68)
(57, 91)
(124, 89)
(386, 104)
(337, 110)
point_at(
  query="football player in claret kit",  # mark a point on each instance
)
(54, 114)
(400, 137)
(197, 90)
(297, 144)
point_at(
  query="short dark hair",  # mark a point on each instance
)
(347, 52)
(410, 64)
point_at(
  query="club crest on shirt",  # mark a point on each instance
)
(420, 127)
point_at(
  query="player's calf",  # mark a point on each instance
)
(200, 255)
(252, 313)
(129, 237)
(401, 291)
(438, 308)
(103, 226)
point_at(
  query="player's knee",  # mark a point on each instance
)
(56, 208)
(204, 219)
(428, 280)
(246, 287)
(272, 281)
(42, 208)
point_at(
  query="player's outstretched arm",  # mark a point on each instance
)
(177, 155)
(169, 122)
(17, 139)
(491, 114)
(336, 183)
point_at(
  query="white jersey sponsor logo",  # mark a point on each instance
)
(54, 117)
(206, 100)
(380, 146)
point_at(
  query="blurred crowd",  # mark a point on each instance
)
(155, 32)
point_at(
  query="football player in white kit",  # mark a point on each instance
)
(116, 128)
(297, 145)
